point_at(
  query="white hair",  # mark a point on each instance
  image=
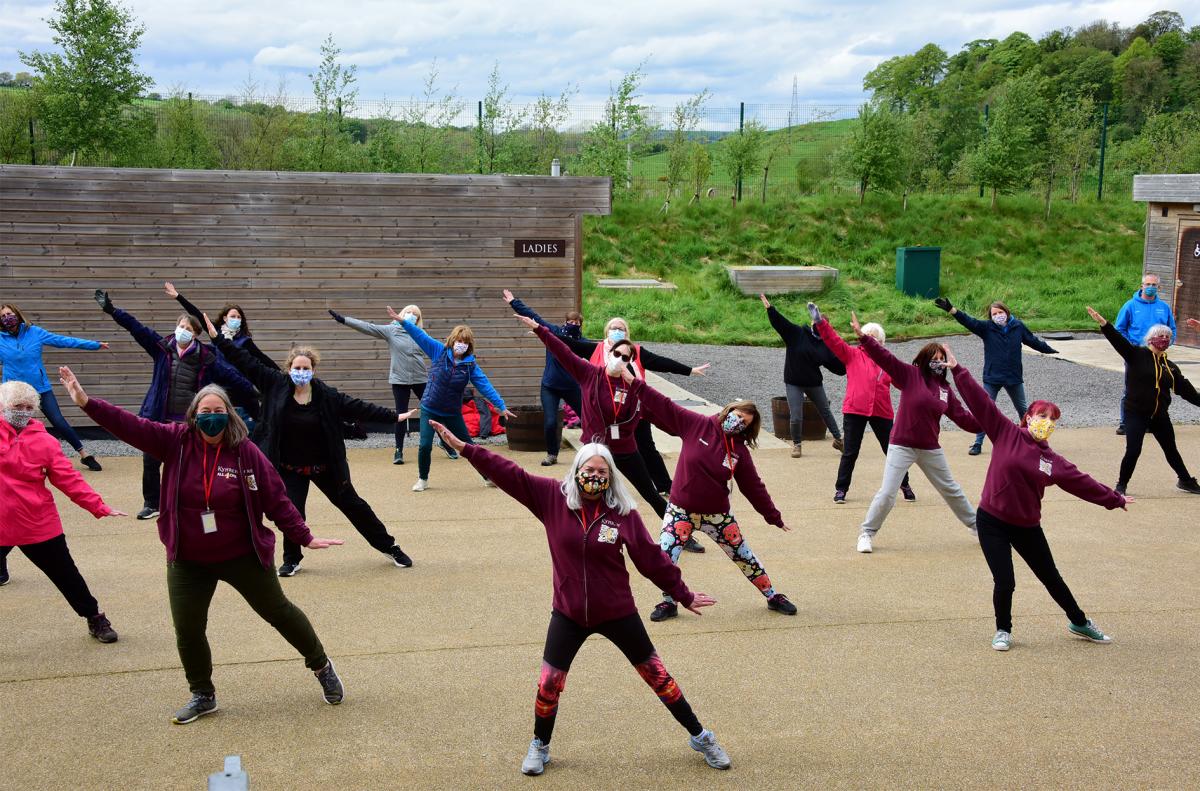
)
(1157, 329)
(875, 331)
(14, 391)
(616, 496)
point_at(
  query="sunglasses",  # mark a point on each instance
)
(625, 357)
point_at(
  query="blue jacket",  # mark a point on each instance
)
(213, 368)
(555, 375)
(448, 377)
(1002, 347)
(21, 354)
(1138, 315)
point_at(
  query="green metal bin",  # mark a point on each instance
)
(919, 271)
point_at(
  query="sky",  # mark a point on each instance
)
(745, 50)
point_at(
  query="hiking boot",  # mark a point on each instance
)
(101, 629)
(780, 603)
(839, 496)
(1121, 430)
(664, 610)
(331, 686)
(289, 569)
(1188, 485)
(536, 759)
(909, 495)
(796, 451)
(421, 485)
(975, 450)
(90, 462)
(149, 512)
(864, 544)
(398, 456)
(550, 460)
(706, 743)
(196, 708)
(1089, 631)
(1002, 641)
(838, 445)
(693, 545)
(399, 558)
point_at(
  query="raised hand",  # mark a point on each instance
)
(508, 296)
(701, 600)
(393, 314)
(528, 322)
(1096, 317)
(169, 288)
(766, 302)
(208, 325)
(854, 325)
(103, 301)
(944, 304)
(1193, 323)
(448, 437)
(814, 312)
(403, 416)
(104, 345)
(74, 389)
(951, 360)
(701, 370)
(324, 543)
(338, 317)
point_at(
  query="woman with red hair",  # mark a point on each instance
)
(1009, 515)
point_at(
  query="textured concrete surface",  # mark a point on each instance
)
(885, 679)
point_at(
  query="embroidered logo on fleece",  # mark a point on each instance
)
(1046, 466)
(608, 533)
(251, 483)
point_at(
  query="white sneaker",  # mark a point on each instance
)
(864, 543)
(421, 485)
(488, 483)
(1002, 641)
(706, 743)
(537, 758)
(974, 531)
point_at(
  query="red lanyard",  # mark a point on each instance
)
(728, 453)
(616, 405)
(209, 480)
(583, 520)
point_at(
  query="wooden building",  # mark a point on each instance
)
(288, 247)
(1173, 243)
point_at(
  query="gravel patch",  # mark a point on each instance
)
(112, 447)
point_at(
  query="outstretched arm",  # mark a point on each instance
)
(1185, 389)
(188, 307)
(365, 327)
(900, 371)
(67, 342)
(665, 365)
(70, 482)
(959, 415)
(579, 369)
(1034, 342)
(521, 309)
(976, 326)
(1072, 480)
(157, 439)
(1118, 341)
(351, 407)
(652, 563)
(260, 375)
(833, 341)
(986, 413)
(752, 486)
(147, 338)
(431, 347)
(485, 388)
(532, 491)
(666, 414)
(784, 328)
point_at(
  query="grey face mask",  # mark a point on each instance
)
(18, 418)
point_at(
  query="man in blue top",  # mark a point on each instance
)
(1143, 310)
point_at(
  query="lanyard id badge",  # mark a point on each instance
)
(614, 432)
(208, 517)
(208, 520)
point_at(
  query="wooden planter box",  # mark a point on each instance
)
(754, 280)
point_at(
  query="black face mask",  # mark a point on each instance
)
(572, 330)
(10, 323)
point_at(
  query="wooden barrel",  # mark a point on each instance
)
(812, 426)
(525, 430)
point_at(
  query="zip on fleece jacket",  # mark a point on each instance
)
(591, 582)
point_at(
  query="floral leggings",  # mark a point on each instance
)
(677, 528)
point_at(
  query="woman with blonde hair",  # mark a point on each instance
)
(216, 489)
(29, 457)
(409, 369)
(301, 431)
(452, 367)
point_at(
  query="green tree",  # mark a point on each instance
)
(918, 153)
(907, 81)
(1168, 143)
(741, 153)
(183, 140)
(699, 169)
(17, 110)
(546, 119)
(498, 143)
(427, 121)
(1004, 159)
(335, 93)
(1169, 48)
(685, 117)
(1068, 138)
(872, 154)
(86, 92)
(609, 146)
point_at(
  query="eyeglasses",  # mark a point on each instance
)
(624, 357)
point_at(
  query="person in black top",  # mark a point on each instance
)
(1149, 380)
(231, 322)
(805, 354)
(301, 432)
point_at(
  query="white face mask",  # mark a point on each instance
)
(183, 337)
(1000, 318)
(460, 348)
(615, 365)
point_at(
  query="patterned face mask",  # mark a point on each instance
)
(732, 424)
(937, 366)
(301, 376)
(1000, 318)
(1040, 428)
(9, 322)
(460, 348)
(18, 418)
(1160, 343)
(590, 483)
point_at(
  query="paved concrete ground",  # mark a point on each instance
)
(884, 679)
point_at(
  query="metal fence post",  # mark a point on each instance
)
(32, 148)
(479, 115)
(985, 130)
(1103, 144)
(741, 129)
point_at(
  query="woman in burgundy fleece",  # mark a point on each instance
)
(211, 523)
(1022, 466)
(591, 525)
(925, 396)
(715, 452)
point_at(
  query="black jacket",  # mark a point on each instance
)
(1149, 378)
(648, 360)
(242, 340)
(805, 354)
(276, 388)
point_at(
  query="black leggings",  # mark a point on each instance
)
(401, 394)
(634, 469)
(853, 428)
(344, 498)
(55, 561)
(564, 638)
(653, 460)
(998, 539)
(551, 396)
(1136, 427)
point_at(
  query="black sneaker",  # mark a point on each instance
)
(196, 708)
(839, 497)
(91, 463)
(1120, 488)
(1121, 430)
(975, 450)
(289, 569)
(550, 460)
(3, 570)
(693, 545)
(101, 629)
(908, 493)
(149, 512)
(331, 686)
(780, 603)
(664, 610)
(1188, 485)
(451, 453)
(399, 558)
(398, 456)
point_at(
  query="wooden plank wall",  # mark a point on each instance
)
(287, 247)
(1161, 253)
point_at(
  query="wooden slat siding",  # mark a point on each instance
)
(1162, 236)
(1168, 188)
(288, 246)
(1186, 300)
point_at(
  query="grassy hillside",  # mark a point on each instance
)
(1046, 271)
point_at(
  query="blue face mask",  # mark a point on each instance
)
(616, 335)
(732, 424)
(1149, 292)
(301, 376)
(233, 324)
(183, 337)
(212, 423)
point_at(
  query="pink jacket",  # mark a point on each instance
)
(27, 511)
(868, 387)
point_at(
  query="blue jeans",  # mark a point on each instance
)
(551, 396)
(455, 423)
(1015, 392)
(52, 412)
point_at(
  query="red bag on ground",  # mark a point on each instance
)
(471, 418)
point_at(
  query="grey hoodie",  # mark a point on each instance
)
(409, 364)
